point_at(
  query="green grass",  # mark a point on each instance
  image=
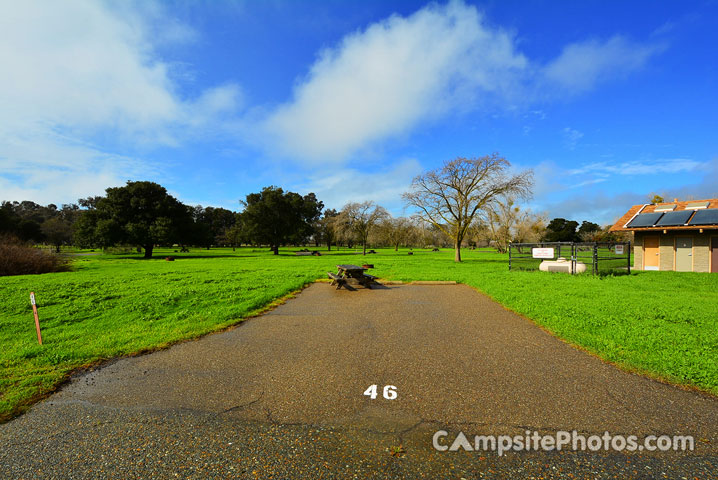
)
(664, 324)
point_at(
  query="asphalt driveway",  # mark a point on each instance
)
(281, 396)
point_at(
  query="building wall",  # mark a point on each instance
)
(701, 249)
(666, 253)
(701, 253)
(638, 251)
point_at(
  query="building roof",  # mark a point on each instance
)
(621, 224)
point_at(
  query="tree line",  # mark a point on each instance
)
(464, 203)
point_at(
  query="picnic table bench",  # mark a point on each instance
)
(351, 274)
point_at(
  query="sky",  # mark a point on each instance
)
(607, 101)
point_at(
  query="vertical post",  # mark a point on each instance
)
(629, 257)
(37, 319)
(595, 258)
(509, 256)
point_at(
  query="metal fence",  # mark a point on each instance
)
(570, 257)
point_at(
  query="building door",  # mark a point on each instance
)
(684, 254)
(650, 253)
(714, 254)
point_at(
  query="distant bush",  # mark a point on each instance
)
(118, 250)
(17, 258)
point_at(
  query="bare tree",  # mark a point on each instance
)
(530, 227)
(359, 219)
(507, 223)
(452, 196)
(427, 234)
(479, 234)
(327, 227)
(502, 216)
(396, 231)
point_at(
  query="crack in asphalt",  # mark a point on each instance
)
(242, 406)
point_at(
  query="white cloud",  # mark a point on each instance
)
(549, 177)
(571, 137)
(571, 193)
(47, 167)
(707, 187)
(79, 70)
(676, 165)
(340, 186)
(600, 207)
(586, 183)
(582, 65)
(73, 64)
(383, 81)
(215, 103)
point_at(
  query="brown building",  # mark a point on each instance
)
(680, 236)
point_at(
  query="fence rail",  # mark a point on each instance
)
(598, 258)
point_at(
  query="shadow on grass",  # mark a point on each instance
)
(177, 257)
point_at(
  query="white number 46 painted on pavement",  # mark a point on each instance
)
(389, 392)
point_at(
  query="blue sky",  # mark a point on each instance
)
(606, 101)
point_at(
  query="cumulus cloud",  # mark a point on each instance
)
(75, 65)
(582, 65)
(384, 80)
(78, 70)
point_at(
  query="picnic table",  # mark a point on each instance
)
(351, 274)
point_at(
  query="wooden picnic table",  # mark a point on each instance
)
(351, 274)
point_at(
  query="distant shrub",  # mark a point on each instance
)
(17, 258)
(118, 250)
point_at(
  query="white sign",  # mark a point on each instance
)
(32, 299)
(619, 249)
(542, 252)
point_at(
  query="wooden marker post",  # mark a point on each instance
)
(37, 319)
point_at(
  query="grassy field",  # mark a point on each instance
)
(664, 324)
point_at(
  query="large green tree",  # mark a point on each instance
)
(140, 213)
(561, 230)
(212, 225)
(275, 217)
(588, 231)
(26, 219)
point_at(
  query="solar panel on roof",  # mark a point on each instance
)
(664, 208)
(697, 205)
(709, 216)
(645, 219)
(674, 218)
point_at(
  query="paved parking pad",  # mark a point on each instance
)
(281, 396)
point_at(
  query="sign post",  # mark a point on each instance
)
(37, 319)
